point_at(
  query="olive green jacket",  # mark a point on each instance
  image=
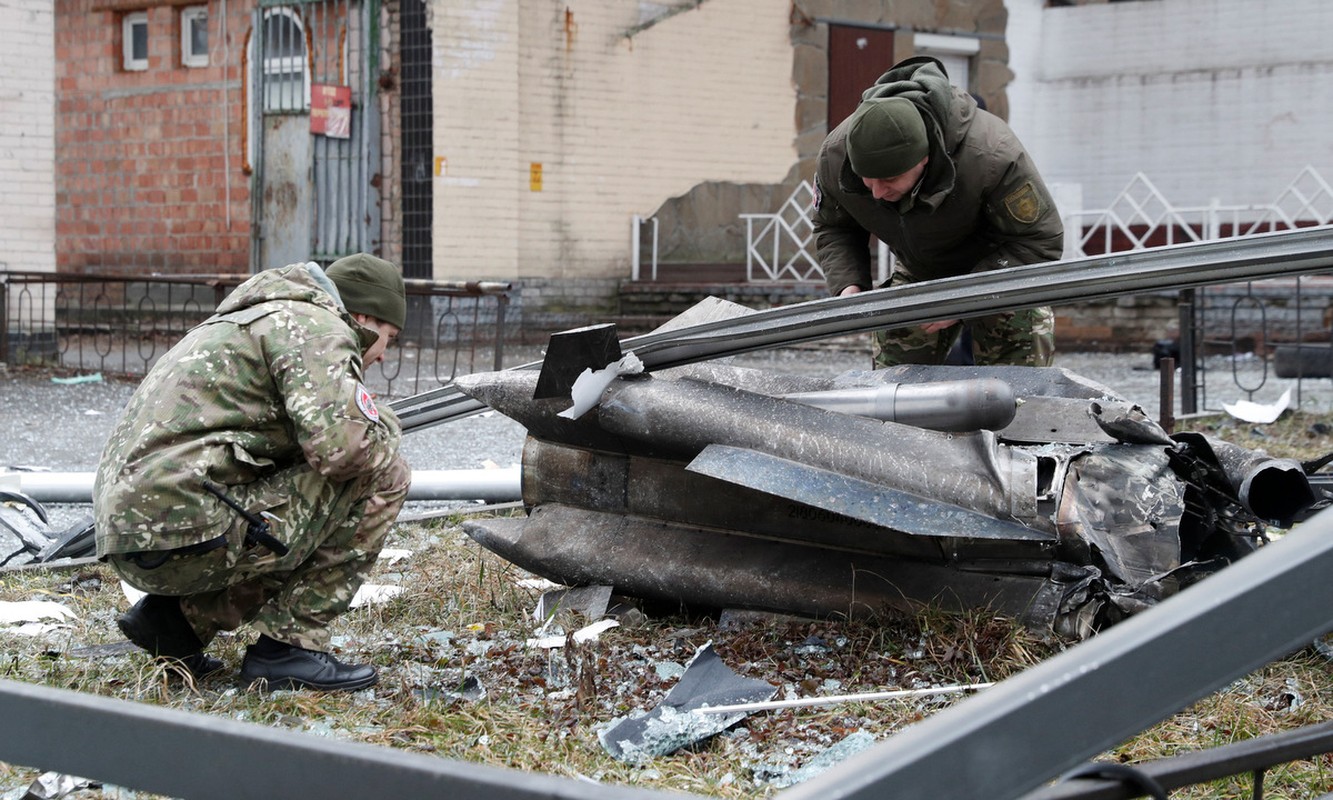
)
(271, 381)
(980, 204)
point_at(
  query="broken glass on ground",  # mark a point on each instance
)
(672, 724)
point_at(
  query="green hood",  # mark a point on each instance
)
(303, 283)
(923, 81)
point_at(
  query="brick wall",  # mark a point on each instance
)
(27, 142)
(690, 112)
(149, 164)
(475, 101)
(543, 306)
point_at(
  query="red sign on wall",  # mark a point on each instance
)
(331, 110)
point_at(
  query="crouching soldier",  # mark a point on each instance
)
(253, 479)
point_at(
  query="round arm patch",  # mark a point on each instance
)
(366, 402)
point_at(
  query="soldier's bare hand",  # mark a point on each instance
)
(938, 325)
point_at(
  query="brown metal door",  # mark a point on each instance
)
(856, 58)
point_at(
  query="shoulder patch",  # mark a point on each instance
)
(1023, 204)
(366, 402)
(818, 198)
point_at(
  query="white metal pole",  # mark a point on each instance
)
(490, 485)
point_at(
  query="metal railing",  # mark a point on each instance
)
(1105, 781)
(121, 325)
(780, 246)
(1002, 744)
(1245, 322)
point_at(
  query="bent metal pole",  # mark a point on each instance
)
(1184, 266)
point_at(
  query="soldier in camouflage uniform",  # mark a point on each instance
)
(265, 402)
(951, 191)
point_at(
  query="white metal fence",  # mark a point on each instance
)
(1141, 216)
(780, 247)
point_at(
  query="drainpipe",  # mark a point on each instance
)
(226, 120)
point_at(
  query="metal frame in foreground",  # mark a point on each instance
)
(1000, 744)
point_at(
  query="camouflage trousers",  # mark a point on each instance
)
(334, 532)
(1023, 338)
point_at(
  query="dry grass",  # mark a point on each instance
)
(465, 619)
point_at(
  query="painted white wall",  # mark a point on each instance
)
(1224, 99)
(27, 135)
(619, 119)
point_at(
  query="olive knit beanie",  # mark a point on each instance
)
(370, 285)
(886, 138)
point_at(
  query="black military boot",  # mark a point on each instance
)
(157, 624)
(286, 666)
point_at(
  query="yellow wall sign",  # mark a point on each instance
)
(535, 176)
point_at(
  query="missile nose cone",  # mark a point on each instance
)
(510, 392)
(500, 390)
(472, 383)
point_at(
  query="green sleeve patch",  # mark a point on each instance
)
(1023, 204)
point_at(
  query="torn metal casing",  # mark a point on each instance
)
(702, 485)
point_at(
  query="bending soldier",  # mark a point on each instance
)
(951, 191)
(260, 408)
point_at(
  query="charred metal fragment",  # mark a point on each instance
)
(979, 404)
(717, 486)
(570, 352)
(27, 538)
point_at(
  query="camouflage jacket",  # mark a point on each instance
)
(980, 204)
(272, 380)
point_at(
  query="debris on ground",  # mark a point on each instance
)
(26, 536)
(671, 725)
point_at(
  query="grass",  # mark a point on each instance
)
(458, 680)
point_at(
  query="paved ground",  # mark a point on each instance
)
(61, 426)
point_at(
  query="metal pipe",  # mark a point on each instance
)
(981, 404)
(489, 485)
(1116, 275)
(635, 246)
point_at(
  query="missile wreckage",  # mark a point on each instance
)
(1031, 491)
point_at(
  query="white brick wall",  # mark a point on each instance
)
(619, 123)
(27, 136)
(475, 56)
(1224, 99)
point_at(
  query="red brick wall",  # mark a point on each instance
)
(142, 179)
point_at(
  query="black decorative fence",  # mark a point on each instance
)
(120, 325)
